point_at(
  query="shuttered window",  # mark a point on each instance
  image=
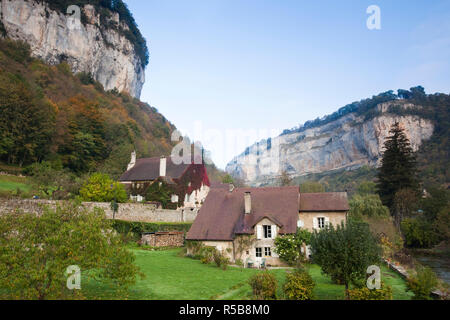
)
(267, 232)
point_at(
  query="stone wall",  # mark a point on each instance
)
(127, 211)
(163, 239)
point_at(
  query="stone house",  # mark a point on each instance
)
(243, 223)
(189, 183)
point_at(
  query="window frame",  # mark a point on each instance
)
(260, 252)
(267, 250)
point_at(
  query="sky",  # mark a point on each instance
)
(231, 72)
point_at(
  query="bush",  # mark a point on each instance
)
(220, 260)
(298, 286)
(422, 283)
(364, 293)
(207, 254)
(264, 286)
(418, 233)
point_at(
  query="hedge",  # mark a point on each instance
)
(137, 228)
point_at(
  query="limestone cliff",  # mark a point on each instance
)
(346, 143)
(87, 47)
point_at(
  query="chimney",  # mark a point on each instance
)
(248, 203)
(132, 161)
(162, 166)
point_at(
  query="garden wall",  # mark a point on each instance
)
(127, 211)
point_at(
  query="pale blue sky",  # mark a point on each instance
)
(260, 64)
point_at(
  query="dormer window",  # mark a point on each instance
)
(267, 232)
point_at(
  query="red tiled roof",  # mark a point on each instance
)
(327, 201)
(222, 215)
(147, 169)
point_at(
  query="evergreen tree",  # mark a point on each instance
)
(398, 167)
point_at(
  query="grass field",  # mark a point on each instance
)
(172, 277)
(12, 183)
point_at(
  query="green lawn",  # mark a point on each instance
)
(12, 183)
(172, 277)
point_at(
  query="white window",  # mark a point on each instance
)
(267, 232)
(267, 252)
(258, 252)
(321, 222)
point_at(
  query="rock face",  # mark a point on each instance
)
(346, 143)
(56, 37)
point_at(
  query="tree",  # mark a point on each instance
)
(398, 167)
(101, 188)
(311, 187)
(405, 204)
(36, 252)
(366, 187)
(26, 122)
(227, 179)
(367, 206)
(345, 252)
(285, 179)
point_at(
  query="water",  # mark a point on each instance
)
(439, 264)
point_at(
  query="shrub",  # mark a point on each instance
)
(207, 254)
(264, 286)
(220, 259)
(364, 293)
(422, 283)
(298, 286)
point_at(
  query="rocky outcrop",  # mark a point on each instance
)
(56, 37)
(346, 143)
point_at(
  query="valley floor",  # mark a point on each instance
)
(170, 276)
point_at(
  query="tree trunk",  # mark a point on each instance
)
(347, 296)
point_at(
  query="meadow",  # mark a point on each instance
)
(170, 276)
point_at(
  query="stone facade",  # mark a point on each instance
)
(244, 247)
(127, 211)
(163, 239)
(310, 222)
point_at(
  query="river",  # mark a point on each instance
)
(439, 264)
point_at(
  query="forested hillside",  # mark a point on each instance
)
(48, 113)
